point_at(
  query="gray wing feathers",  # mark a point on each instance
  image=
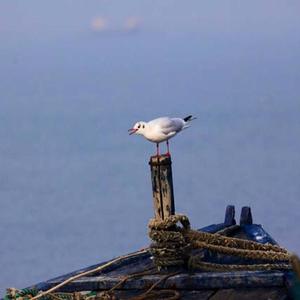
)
(172, 125)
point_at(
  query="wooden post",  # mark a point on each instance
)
(162, 186)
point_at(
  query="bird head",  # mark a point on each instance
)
(138, 128)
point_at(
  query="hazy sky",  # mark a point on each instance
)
(38, 20)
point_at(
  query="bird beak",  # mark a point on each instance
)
(132, 130)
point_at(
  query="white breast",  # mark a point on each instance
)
(157, 133)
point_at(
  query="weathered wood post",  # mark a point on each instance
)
(162, 186)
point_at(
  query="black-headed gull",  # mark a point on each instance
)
(161, 129)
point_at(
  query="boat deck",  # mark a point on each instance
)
(140, 273)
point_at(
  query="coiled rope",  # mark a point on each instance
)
(170, 247)
(173, 240)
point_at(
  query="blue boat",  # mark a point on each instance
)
(130, 276)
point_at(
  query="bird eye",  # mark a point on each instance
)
(143, 126)
(139, 126)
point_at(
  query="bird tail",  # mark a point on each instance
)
(189, 118)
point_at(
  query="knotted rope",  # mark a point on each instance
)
(172, 245)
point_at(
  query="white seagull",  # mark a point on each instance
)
(161, 129)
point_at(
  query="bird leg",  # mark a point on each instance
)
(157, 149)
(168, 149)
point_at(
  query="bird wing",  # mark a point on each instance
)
(171, 126)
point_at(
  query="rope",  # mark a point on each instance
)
(100, 268)
(170, 247)
(110, 292)
(173, 244)
(244, 253)
(13, 293)
(217, 239)
(196, 263)
(150, 294)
